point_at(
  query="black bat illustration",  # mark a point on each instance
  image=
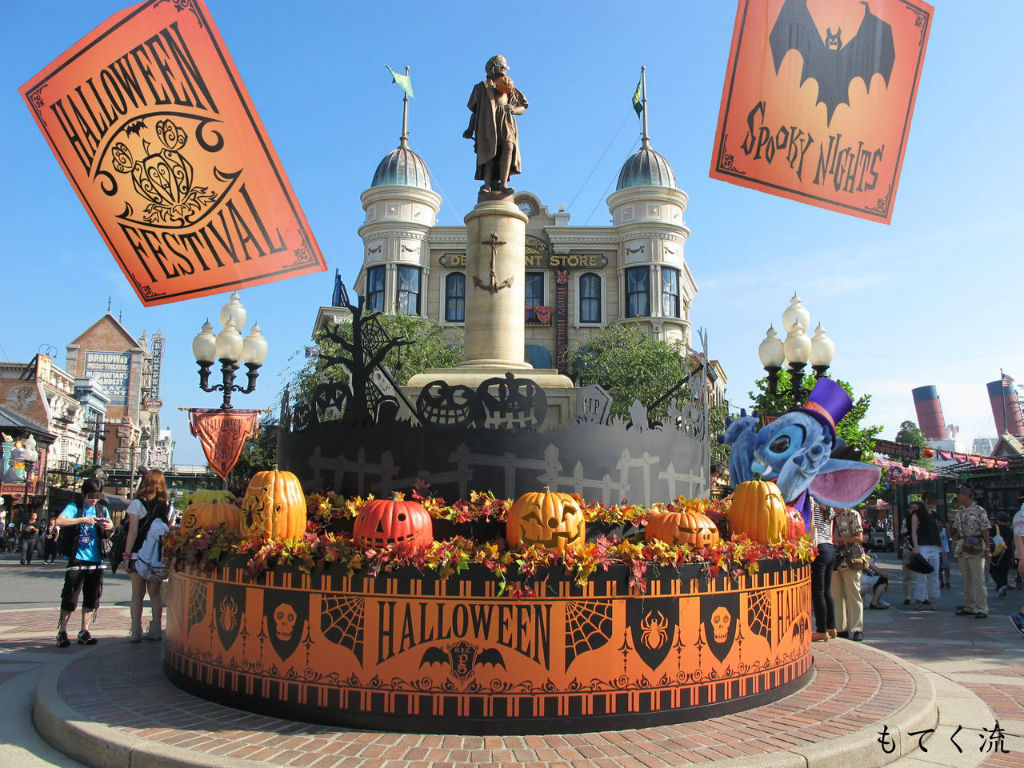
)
(801, 626)
(491, 656)
(134, 127)
(832, 64)
(435, 655)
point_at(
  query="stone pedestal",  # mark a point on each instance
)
(495, 301)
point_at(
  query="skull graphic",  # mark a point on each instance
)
(721, 620)
(284, 622)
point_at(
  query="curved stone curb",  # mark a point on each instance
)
(100, 745)
(860, 748)
(104, 746)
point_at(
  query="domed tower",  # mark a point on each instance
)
(656, 288)
(400, 209)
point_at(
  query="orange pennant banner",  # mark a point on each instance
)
(818, 98)
(222, 435)
(154, 128)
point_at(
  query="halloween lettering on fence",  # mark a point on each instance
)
(818, 98)
(152, 125)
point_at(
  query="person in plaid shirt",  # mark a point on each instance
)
(972, 543)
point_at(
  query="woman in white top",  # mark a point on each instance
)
(147, 522)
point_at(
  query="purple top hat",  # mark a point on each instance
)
(828, 403)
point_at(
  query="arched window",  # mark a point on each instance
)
(638, 292)
(375, 288)
(669, 292)
(409, 290)
(590, 298)
(455, 298)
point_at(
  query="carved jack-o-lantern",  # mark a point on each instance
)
(548, 520)
(693, 528)
(210, 515)
(393, 521)
(758, 511)
(274, 505)
(721, 620)
(284, 622)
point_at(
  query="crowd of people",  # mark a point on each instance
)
(149, 516)
(844, 576)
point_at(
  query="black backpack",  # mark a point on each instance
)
(67, 539)
(120, 537)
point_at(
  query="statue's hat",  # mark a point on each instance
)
(828, 403)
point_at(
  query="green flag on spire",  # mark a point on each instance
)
(404, 82)
(638, 99)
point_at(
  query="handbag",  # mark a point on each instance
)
(919, 565)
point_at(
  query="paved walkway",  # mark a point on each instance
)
(917, 671)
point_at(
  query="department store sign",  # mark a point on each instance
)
(818, 98)
(154, 128)
(538, 260)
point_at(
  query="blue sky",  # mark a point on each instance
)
(930, 299)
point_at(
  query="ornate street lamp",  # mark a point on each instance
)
(29, 457)
(823, 349)
(772, 357)
(798, 352)
(231, 349)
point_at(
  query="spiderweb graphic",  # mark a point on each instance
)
(341, 621)
(588, 626)
(196, 603)
(759, 614)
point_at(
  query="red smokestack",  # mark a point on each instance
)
(1006, 407)
(929, 412)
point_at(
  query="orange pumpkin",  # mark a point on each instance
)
(795, 527)
(693, 528)
(393, 521)
(274, 505)
(210, 515)
(758, 511)
(207, 495)
(548, 520)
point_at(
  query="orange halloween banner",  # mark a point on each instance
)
(409, 651)
(154, 128)
(818, 98)
(222, 435)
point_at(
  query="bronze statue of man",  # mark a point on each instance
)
(494, 104)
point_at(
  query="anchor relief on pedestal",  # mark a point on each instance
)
(493, 286)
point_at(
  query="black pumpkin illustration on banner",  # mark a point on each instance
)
(652, 624)
(444, 405)
(718, 617)
(228, 612)
(286, 614)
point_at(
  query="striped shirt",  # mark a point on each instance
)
(821, 518)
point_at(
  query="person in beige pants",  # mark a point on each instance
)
(973, 542)
(849, 538)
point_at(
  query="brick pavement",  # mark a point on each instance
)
(853, 691)
(974, 666)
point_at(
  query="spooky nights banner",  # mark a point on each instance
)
(818, 98)
(154, 128)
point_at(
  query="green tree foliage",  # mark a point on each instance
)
(716, 427)
(630, 365)
(433, 346)
(911, 434)
(259, 454)
(859, 436)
